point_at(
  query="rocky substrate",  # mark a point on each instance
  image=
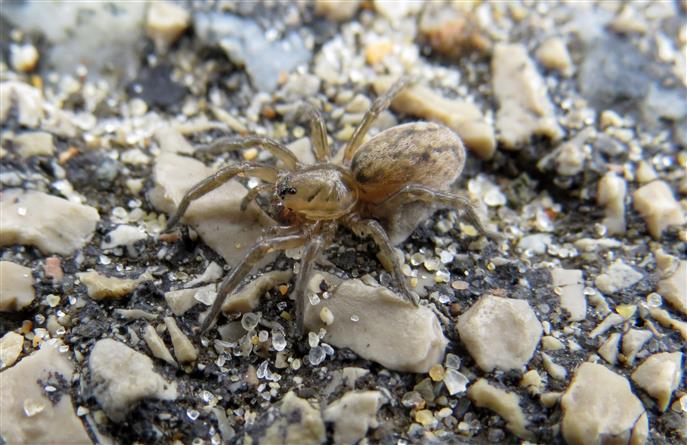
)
(570, 327)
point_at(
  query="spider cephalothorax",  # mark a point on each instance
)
(410, 162)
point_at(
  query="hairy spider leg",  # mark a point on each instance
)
(380, 104)
(312, 251)
(243, 268)
(387, 256)
(221, 176)
(278, 150)
(318, 134)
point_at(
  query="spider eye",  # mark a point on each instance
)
(291, 191)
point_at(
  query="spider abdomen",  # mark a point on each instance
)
(423, 153)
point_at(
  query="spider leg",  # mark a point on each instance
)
(380, 104)
(372, 228)
(318, 134)
(278, 150)
(220, 177)
(312, 251)
(252, 194)
(418, 192)
(243, 268)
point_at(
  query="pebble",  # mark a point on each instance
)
(27, 99)
(452, 31)
(121, 377)
(23, 58)
(536, 244)
(524, 106)
(554, 55)
(394, 10)
(550, 343)
(611, 193)
(455, 381)
(211, 274)
(184, 350)
(52, 224)
(531, 380)
(165, 22)
(609, 349)
(599, 404)
(500, 332)
(660, 375)
(180, 301)
(633, 341)
(571, 286)
(389, 331)
(34, 143)
(664, 318)
(611, 320)
(673, 287)
(11, 345)
(156, 345)
(645, 172)
(505, 404)
(28, 416)
(248, 297)
(216, 217)
(123, 235)
(555, 370)
(461, 116)
(659, 208)
(618, 276)
(16, 287)
(337, 11)
(101, 287)
(353, 414)
(351, 374)
(298, 422)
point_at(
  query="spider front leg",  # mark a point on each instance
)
(253, 193)
(318, 134)
(380, 104)
(220, 177)
(417, 192)
(370, 227)
(243, 268)
(312, 251)
(278, 150)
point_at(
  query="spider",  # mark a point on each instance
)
(411, 162)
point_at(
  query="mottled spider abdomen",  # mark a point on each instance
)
(415, 153)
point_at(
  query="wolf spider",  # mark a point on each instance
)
(406, 163)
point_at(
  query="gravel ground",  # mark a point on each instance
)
(569, 327)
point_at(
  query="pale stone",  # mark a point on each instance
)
(660, 375)
(121, 377)
(500, 332)
(180, 301)
(611, 320)
(34, 143)
(673, 288)
(617, 277)
(102, 287)
(609, 349)
(337, 11)
(524, 106)
(135, 314)
(23, 58)
(611, 194)
(388, 330)
(16, 287)
(123, 235)
(505, 404)
(549, 343)
(536, 243)
(599, 404)
(645, 172)
(216, 216)
(248, 297)
(555, 370)
(165, 22)
(50, 423)
(351, 374)
(532, 381)
(554, 55)
(211, 274)
(52, 224)
(298, 423)
(353, 414)
(633, 341)
(657, 205)
(663, 317)
(156, 345)
(184, 350)
(27, 99)
(11, 345)
(461, 116)
(571, 285)
(395, 10)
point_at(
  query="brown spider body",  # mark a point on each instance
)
(407, 163)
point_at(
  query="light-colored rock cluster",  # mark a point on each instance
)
(121, 377)
(52, 224)
(659, 208)
(16, 286)
(599, 405)
(353, 414)
(500, 332)
(378, 325)
(157, 345)
(28, 416)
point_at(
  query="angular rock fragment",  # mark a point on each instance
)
(156, 345)
(611, 194)
(52, 224)
(123, 235)
(571, 286)
(248, 297)
(673, 287)
(617, 277)
(121, 377)
(180, 301)
(657, 205)
(633, 341)
(34, 143)
(165, 22)
(660, 375)
(505, 404)
(298, 423)
(28, 415)
(452, 31)
(609, 349)
(27, 99)
(500, 332)
(524, 106)
(553, 54)
(11, 345)
(378, 325)
(16, 287)
(599, 405)
(100, 286)
(353, 414)
(184, 350)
